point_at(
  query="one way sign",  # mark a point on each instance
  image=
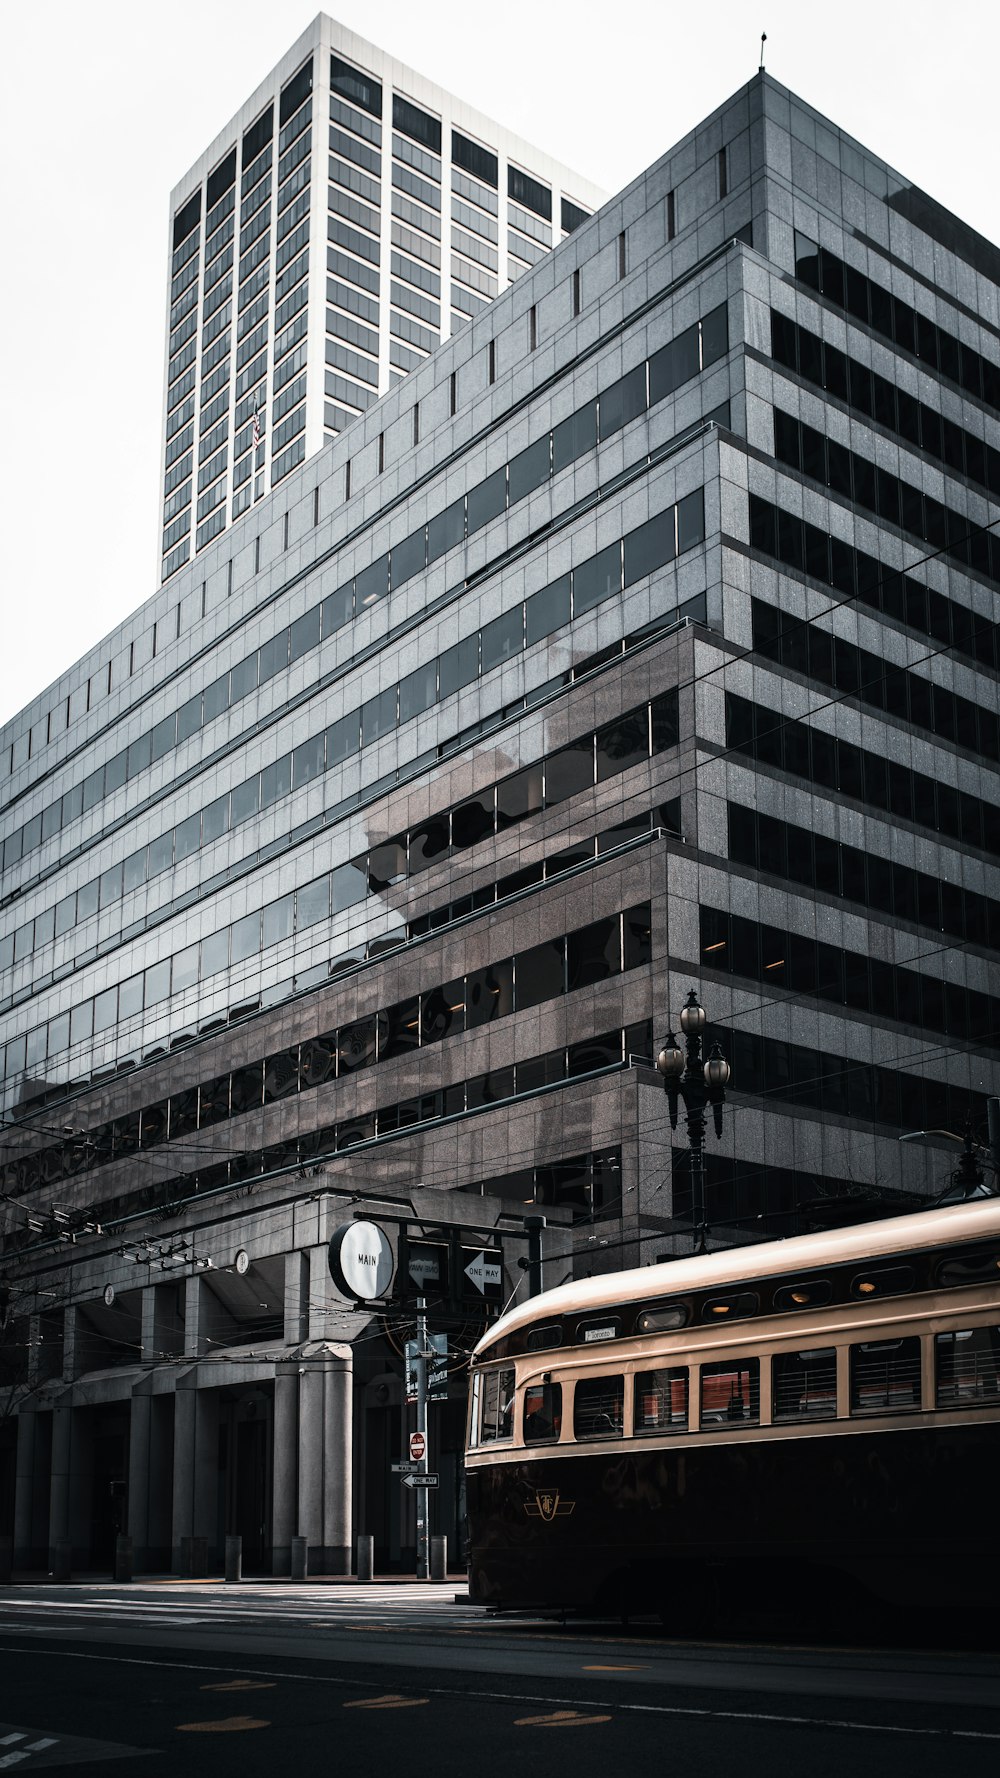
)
(486, 1272)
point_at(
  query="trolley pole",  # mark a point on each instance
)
(423, 1565)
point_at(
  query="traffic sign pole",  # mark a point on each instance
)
(423, 1565)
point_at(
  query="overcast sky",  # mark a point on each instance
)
(101, 114)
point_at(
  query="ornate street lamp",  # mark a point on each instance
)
(699, 1082)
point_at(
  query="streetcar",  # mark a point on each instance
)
(814, 1418)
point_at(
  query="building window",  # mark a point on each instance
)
(723, 174)
(671, 216)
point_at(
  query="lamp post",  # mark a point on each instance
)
(699, 1082)
(967, 1179)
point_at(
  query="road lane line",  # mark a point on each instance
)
(224, 1725)
(666, 1710)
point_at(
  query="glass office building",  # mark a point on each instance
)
(645, 636)
(348, 219)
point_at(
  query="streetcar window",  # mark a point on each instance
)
(969, 1268)
(497, 1415)
(661, 1401)
(885, 1377)
(967, 1367)
(809, 1294)
(541, 1338)
(599, 1407)
(730, 1308)
(804, 1385)
(730, 1393)
(542, 1419)
(662, 1318)
(886, 1281)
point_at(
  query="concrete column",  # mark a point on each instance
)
(193, 1317)
(296, 1298)
(147, 1322)
(320, 1288)
(24, 1489)
(338, 1465)
(284, 1483)
(137, 1523)
(161, 1465)
(196, 1452)
(62, 1435)
(326, 1460)
(310, 1465)
(70, 1319)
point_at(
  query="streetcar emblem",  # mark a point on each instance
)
(548, 1507)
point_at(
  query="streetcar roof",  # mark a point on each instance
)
(974, 1221)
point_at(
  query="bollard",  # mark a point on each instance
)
(439, 1558)
(62, 1558)
(366, 1557)
(300, 1558)
(234, 1558)
(123, 1557)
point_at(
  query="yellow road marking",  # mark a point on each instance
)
(226, 1725)
(389, 1701)
(560, 1719)
(602, 1669)
(242, 1685)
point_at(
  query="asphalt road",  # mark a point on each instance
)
(256, 1678)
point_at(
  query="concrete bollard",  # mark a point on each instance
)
(62, 1558)
(366, 1557)
(439, 1558)
(300, 1558)
(234, 1558)
(123, 1557)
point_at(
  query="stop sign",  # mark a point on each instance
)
(418, 1445)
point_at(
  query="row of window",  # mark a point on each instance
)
(637, 735)
(532, 977)
(883, 1378)
(874, 396)
(808, 966)
(860, 673)
(795, 543)
(478, 1092)
(803, 857)
(888, 786)
(665, 818)
(866, 484)
(798, 1074)
(675, 364)
(45, 1050)
(865, 300)
(640, 553)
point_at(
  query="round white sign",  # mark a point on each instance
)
(242, 1262)
(360, 1260)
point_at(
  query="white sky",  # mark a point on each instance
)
(103, 108)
